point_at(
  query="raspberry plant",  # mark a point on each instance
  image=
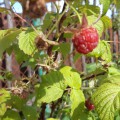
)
(58, 90)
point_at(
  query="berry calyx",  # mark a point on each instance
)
(86, 40)
(89, 105)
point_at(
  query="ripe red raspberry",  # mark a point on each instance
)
(86, 40)
(89, 105)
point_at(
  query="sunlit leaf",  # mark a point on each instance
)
(72, 78)
(27, 41)
(51, 88)
(11, 115)
(107, 100)
(77, 106)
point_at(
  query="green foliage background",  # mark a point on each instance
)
(62, 89)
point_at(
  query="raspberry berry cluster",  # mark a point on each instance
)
(86, 40)
(89, 105)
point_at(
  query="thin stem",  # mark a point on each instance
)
(97, 19)
(56, 7)
(96, 71)
(92, 76)
(57, 22)
(113, 41)
(74, 10)
(40, 34)
(27, 22)
(88, 88)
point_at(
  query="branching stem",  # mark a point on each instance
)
(57, 22)
(74, 10)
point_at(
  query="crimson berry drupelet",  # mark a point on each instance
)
(86, 40)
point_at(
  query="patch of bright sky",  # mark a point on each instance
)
(60, 4)
(2, 4)
(18, 8)
(109, 12)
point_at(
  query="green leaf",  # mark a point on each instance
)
(117, 118)
(97, 51)
(51, 88)
(6, 38)
(3, 109)
(107, 22)
(27, 41)
(48, 21)
(65, 49)
(106, 53)
(11, 115)
(103, 51)
(113, 76)
(4, 10)
(1, 78)
(77, 56)
(16, 102)
(93, 8)
(19, 54)
(99, 25)
(52, 119)
(72, 78)
(117, 3)
(4, 96)
(30, 113)
(107, 100)
(77, 107)
(90, 9)
(106, 5)
(113, 79)
(67, 21)
(91, 67)
(113, 71)
(13, 2)
(68, 35)
(75, 3)
(9, 50)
